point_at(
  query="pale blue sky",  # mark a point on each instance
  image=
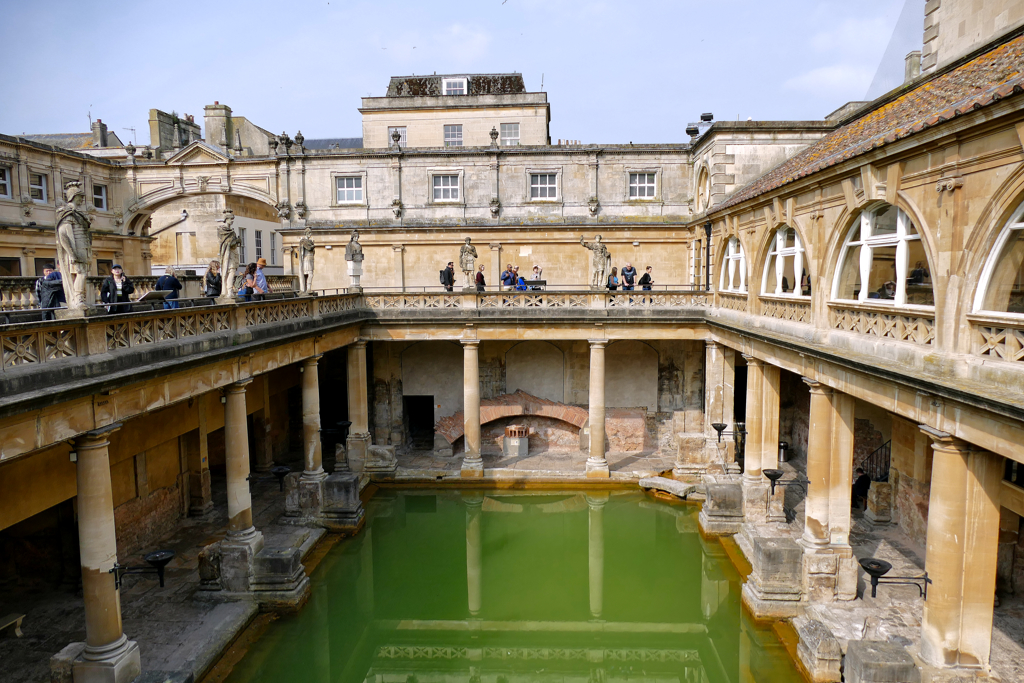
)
(614, 71)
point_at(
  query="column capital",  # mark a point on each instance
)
(598, 343)
(711, 344)
(946, 442)
(751, 360)
(470, 342)
(494, 246)
(358, 344)
(817, 387)
(398, 247)
(312, 360)
(239, 386)
(96, 437)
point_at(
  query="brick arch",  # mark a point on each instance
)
(511, 405)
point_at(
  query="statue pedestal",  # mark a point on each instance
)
(85, 312)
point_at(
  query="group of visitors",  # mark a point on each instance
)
(627, 279)
(254, 282)
(511, 279)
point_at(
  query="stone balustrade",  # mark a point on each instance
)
(997, 338)
(884, 322)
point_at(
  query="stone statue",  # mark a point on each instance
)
(229, 243)
(354, 256)
(601, 260)
(306, 261)
(74, 246)
(467, 261)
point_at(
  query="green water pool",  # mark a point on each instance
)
(494, 587)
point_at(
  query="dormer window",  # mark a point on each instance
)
(455, 86)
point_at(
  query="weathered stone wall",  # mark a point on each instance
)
(910, 477)
(794, 412)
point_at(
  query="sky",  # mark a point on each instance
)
(615, 72)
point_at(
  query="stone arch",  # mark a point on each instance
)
(434, 368)
(536, 367)
(764, 245)
(153, 200)
(631, 375)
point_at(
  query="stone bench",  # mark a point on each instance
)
(13, 620)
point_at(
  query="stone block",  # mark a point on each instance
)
(846, 583)
(676, 488)
(342, 510)
(357, 445)
(722, 511)
(879, 511)
(773, 589)
(236, 571)
(879, 661)
(755, 502)
(122, 668)
(165, 677)
(825, 563)
(61, 663)
(818, 650)
(381, 462)
(280, 580)
(515, 446)
(341, 465)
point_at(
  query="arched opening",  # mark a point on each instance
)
(785, 269)
(1001, 288)
(733, 275)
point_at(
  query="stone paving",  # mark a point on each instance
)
(174, 630)
(552, 465)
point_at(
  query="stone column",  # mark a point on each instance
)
(963, 537)
(263, 449)
(358, 441)
(496, 268)
(474, 506)
(770, 439)
(816, 535)
(399, 253)
(755, 488)
(472, 462)
(841, 494)
(597, 465)
(108, 655)
(198, 458)
(236, 435)
(596, 503)
(719, 383)
(313, 469)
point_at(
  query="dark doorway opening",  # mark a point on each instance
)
(419, 421)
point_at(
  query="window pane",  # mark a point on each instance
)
(790, 238)
(849, 275)
(437, 181)
(885, 221)
(919, 280)
(882, 276)
(789, 281)
(769, 283)
(1006, 289)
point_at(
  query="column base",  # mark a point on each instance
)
(597, 469)
(472, 467)
(722, 511)
(121, 666)
(772, 590)
(357, 445)
(381, 463)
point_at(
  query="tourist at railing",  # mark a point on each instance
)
(628, 277)
(50, 290)
(250, 290)
(169, 283)
(508, 277)
(481, 284)
(212, 280)
(261, 279)
(117, 290)
(646, 281)
(537, 275)
(613, 279)
(448, 276)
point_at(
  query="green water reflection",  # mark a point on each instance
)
(473, 587)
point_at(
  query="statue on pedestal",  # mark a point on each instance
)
(354, 256)
(307, 261)
(601, 260)
(229, 243)
(74, 246)
(467, 261)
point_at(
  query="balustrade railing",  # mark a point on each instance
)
(997, 338)
(884, 322)
(797, 310)
(733, 301)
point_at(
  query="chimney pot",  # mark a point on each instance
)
(912, 67)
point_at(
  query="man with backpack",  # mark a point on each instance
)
(448, 276)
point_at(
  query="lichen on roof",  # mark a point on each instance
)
(478, 84)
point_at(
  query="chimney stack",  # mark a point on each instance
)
(912, 67)
(99, 133)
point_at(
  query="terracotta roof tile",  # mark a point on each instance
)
(982, 81)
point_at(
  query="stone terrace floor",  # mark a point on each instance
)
(897, 611)
(419, 466)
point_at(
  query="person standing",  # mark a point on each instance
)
(448, 276)
(249, 289)
(50, 290)
(116, 289)
(47, 269)
(538, 274)
(628, 277)
(261, 279)
(481, 284)
(646, 280)
(169, 283)
(613, 279)
(508, 278)
(212, 280)
(861, 487)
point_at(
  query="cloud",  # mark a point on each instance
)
(837, 80)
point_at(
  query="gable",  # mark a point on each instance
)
(199, 153)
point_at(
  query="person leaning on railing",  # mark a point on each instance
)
(116, 289)
(212, 280)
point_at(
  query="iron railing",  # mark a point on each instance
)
(877, 464)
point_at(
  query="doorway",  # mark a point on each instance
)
(419, 421)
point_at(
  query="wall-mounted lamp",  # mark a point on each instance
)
(223, 399)
(184, 214)
(73, 456)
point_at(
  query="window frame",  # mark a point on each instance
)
(442, 171)
(257, 242)
(445, 131)
(44, 187)
(1014, 223)
(242, 261)
(7, 184)
(556, 172)
(859, 235)
(351, 173)
(102, 196)
(630, 172)
(735, 259)
(273, 248)
(778, 249)
(503, 140)
(462, 83)
(338, 189)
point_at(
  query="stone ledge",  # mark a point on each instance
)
(676, 488)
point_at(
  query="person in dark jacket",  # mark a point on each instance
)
(50, 291)
(168, 282)
(212, 280)
(861, 488)
(628, 277)
(481, 284)
(646, 280)
(116, 289)
(448, 276)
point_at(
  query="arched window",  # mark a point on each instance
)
(1001, 289)
(734, 268)
(784, 271)
(883, 261)
(703, 189)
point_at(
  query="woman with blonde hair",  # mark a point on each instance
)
(212, 280)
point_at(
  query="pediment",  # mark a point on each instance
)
(199, 153)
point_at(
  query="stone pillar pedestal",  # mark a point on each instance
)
(719, 380)
(472, 462)
(595, 546)
(963, 539)
(108, 656)
(722, 512)
(772, 590)
(879, 510)
(597, 465)
(358, 441)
